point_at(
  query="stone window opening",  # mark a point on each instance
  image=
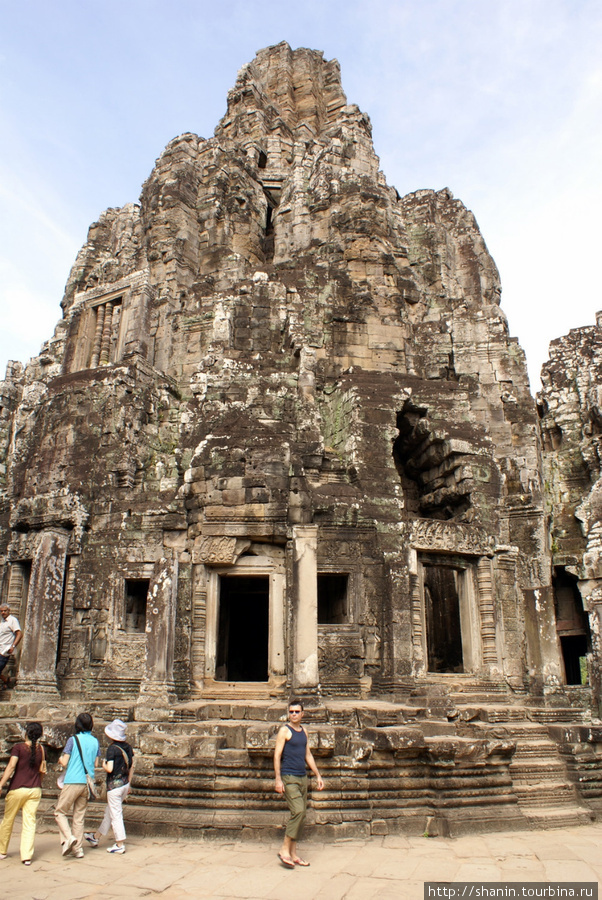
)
(243, 628)
(333, 601)
(136, 594)
(572, 626)
(107, 319)
(451, 624)
(262, 160)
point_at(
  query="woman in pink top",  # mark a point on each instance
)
(26, 766)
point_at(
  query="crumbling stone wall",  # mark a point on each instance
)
(571, 425)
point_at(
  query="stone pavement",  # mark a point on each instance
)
(387, 868)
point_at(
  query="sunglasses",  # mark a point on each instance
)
(295, 712)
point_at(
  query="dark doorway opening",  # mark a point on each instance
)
(136, 592)
(574, 654)
(332, 599)
(268, 240)
(443, 628)
(572, 626)
(243, 628)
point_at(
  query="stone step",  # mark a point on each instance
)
(544, 793)
(539, 774)
(528, 731)
(537, 748)
(558, 714)
(558, 817)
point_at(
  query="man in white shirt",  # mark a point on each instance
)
(10, 637)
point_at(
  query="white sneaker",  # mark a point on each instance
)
(115, 849)
(68, 845)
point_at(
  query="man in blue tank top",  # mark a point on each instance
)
(292, 758)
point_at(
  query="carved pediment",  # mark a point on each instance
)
(450, 537)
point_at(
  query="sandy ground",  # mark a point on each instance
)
(387, 868)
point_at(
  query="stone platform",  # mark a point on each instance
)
(438, 764)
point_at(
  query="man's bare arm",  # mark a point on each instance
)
(280, 742)
(18, 637)
(311, 764)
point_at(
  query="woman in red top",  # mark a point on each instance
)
(26, 766)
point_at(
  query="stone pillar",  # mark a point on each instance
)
(37, 667)
(595, 620)
(419, 661)
(510, 616)
(305, 618)
(487, 615)
(277, 663)
(157, 691)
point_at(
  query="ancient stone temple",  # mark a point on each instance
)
(282, 442)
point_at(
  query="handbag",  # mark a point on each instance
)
(130, 773)
(92, 789)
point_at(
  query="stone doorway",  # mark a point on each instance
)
(443, 624)
(572, 626)
(243, 628)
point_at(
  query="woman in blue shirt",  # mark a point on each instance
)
(79, 759)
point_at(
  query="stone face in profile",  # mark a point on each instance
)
(280, 440)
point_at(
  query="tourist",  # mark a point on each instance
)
(26, 766)
(292, 757)
(79, 758)
(10, 637)
(118, 766)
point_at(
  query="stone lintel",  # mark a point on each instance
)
(437, 535)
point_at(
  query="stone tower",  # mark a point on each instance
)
(281, 439)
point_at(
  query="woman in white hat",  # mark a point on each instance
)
(117, 764)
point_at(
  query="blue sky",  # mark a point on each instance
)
(499, 100)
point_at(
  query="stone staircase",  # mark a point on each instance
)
(539, 775)
(473, 762)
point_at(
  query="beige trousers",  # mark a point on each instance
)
(72, 797)
(27, 800)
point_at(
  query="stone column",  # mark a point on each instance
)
(487, 615)
(595, 618)
(419, 661)
(277, 664)
(157, 691)
(37, 668)
(305, 618)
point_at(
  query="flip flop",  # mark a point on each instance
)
(300, 862)
(286, 861)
